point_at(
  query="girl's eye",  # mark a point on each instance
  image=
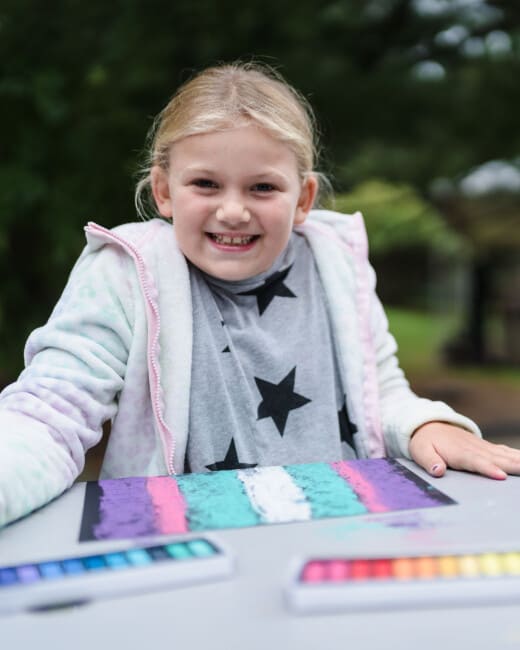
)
(264, 187)
(204, 183)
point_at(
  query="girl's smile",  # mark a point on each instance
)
(234, 196)
(232, 241)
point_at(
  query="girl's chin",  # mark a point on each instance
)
(230, 271)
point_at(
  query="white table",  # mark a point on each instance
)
(248, 611)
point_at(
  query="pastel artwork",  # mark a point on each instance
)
(134, 507)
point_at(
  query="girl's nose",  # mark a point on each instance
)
(233, 213)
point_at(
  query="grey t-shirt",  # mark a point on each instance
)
(265, 386)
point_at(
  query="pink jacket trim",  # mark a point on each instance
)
(358, 248)
(154, 326)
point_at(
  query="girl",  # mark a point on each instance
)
(249, 333)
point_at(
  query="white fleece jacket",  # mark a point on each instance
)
(118, 347)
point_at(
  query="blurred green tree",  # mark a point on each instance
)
(405, 232)
(405, 90)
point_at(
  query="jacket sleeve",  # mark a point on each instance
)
(75, 367)
(401, 410)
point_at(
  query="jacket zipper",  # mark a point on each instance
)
(166, 435)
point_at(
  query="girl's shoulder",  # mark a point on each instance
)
(134, 234)
(348, 228)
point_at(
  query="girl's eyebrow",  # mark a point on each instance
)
(205, 171)
(194, 169)
(270, 174)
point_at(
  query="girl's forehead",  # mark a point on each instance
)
(234, 141)
(240, 130)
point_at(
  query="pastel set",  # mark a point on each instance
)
(118, 571)
(127, 508)
(342, 584)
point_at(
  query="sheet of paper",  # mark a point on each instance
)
(161, 505)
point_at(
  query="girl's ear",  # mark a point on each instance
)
(161, 191)
(307, 197)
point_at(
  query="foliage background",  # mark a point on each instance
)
(407, 93)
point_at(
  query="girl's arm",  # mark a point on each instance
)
(75, 367)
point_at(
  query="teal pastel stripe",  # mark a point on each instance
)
(328, 493)
(216, 500)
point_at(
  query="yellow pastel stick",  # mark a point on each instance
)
(511, 562)
(490, 564)
(469, 566)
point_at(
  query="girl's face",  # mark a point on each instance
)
(234, 197)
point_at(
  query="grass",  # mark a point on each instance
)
(420, 337)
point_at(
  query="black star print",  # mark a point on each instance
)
(279, 399)
(230, 461)
(226, 349)
(347, 429)
(272, 287)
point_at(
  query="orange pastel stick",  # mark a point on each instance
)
(426, 567)
(403, 568)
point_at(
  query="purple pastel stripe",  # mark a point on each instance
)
(125, 509)
(384, 485)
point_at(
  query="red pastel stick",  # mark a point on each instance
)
(360, 569)
(382, 568)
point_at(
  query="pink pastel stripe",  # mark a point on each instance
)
(364, 488)
(168, 504)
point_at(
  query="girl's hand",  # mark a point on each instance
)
(437, 445)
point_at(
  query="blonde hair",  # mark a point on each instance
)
(224, 97)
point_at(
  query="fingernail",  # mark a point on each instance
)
(435, 468)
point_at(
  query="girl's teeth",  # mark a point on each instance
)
(233, 241)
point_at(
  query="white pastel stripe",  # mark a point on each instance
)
(274, 495)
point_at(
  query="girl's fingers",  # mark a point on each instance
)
(438, 446)
(427, 457)
(483, 464)
(508, 462)
(502, 456)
